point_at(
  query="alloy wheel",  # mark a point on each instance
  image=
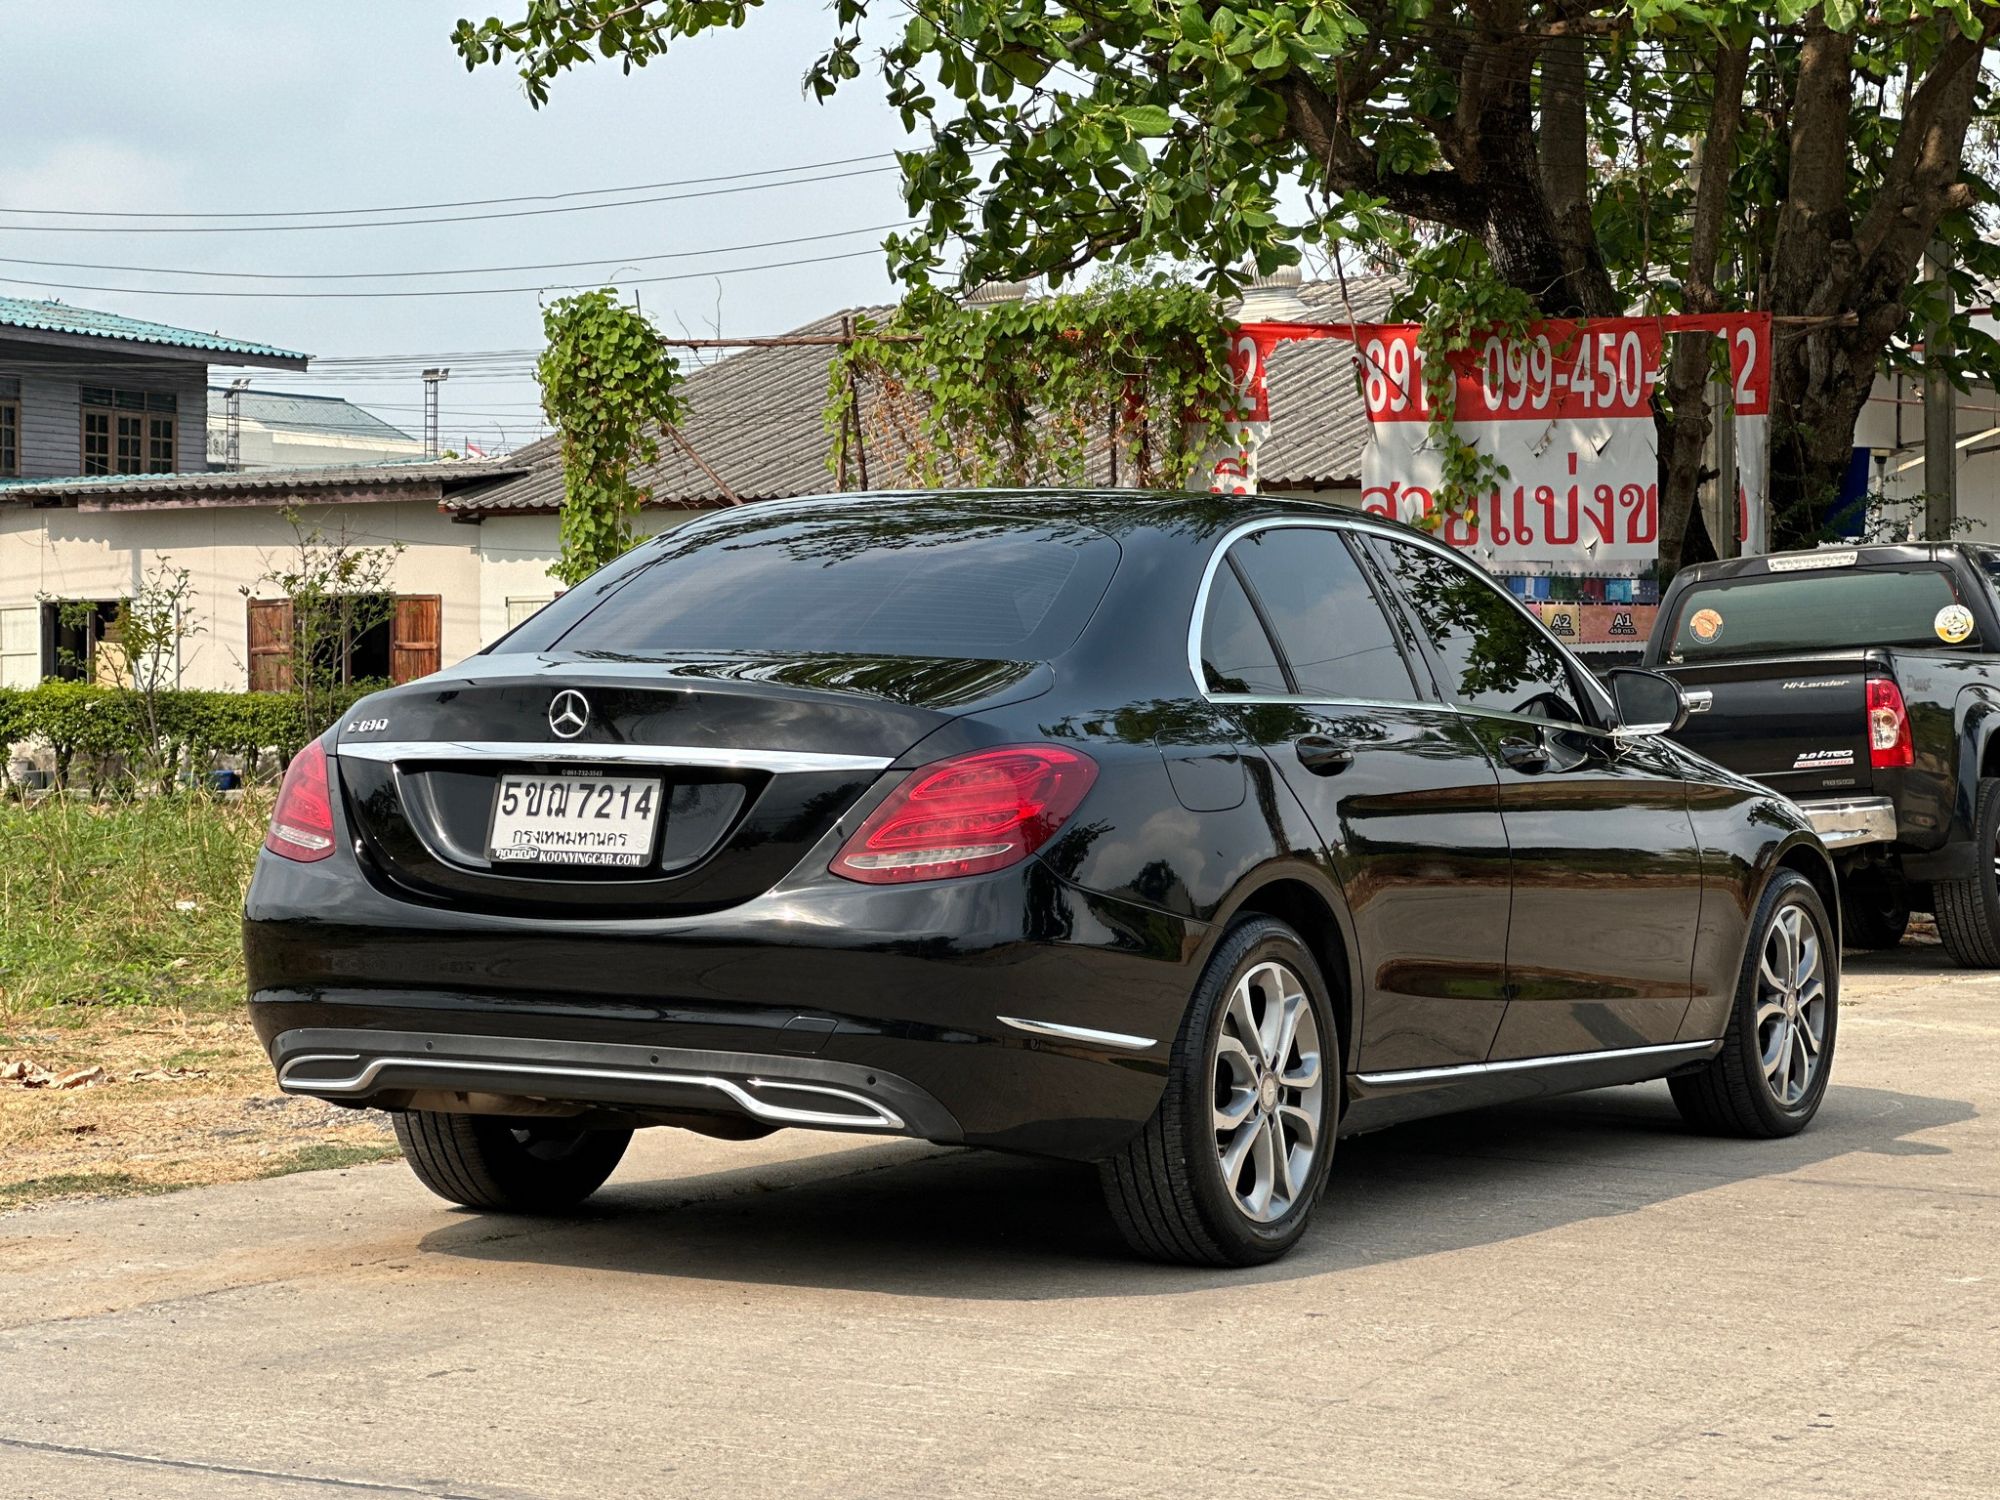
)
(1791, 1004)
(1269, 1092)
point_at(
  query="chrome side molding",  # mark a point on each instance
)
(1085, 1034)
(705, 756)
(1662, 1052)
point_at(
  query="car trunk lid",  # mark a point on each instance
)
(750, 759)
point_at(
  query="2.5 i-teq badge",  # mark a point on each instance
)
(1953, 624)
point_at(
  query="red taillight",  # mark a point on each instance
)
(1889, 743)
(302, 822)
(968, 815)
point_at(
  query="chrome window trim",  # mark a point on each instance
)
(1662, 1050)
(1079, 1033)
(1230, 538)
(704, 756)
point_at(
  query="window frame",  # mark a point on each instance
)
(11, 406)
(102, 402)
(1423, 687)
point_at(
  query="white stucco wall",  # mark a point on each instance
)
(515, 555)
(477, 570)
(70, 554)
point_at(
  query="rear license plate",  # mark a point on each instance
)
(574, 820)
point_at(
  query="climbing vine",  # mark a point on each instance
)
(1025, 393)
(1459, 303)
(609, 387)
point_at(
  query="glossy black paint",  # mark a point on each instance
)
(1470, 901)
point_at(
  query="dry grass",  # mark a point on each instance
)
(120, 949)
(221, 1120)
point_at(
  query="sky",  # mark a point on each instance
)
(245, 107)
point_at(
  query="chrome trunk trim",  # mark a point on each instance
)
(569, 751)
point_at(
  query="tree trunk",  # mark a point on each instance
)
(1680, 413)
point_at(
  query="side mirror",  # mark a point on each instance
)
(1648, 702)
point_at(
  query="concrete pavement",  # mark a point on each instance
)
(1569, 1299)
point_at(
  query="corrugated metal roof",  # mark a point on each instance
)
(250, 486)
(757, 418)
(292, 411)
(84, 322)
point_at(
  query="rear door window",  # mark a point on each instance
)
(1335, 636)
(1820, 611)
(867, 582)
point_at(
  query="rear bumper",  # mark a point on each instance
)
(1013, 1011)
(1849, 822)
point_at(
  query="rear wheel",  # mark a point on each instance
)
(1968, 911)
(1874, 910)
(1771, 1073)
(1226, 1171)
(516, 1166)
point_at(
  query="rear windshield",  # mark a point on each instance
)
(908, 584)
(1842, 607)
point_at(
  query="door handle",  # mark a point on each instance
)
(1322, 756)
(1525, 755)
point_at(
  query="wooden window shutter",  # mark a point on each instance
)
(270, 645)
(414, 634)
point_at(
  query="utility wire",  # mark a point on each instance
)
(557, 265)
(287, 294)
(516, 213)
(399, 208)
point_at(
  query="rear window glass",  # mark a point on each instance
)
(1841, 607)
(866, 582)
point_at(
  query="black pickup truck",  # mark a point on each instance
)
(1862, 682)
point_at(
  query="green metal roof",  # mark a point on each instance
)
(83, 322)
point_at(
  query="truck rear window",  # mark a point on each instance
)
(922, 583)
(1846, 607)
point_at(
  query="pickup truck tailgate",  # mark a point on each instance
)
(1798, 724)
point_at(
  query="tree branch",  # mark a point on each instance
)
(1318, 124)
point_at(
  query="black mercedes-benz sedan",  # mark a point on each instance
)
(1176, 834)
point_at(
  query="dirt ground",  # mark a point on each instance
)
(202, 1107)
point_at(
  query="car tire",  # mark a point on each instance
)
(1259, 1027)
(1968, 911)
(513, 1166)
(1777, 1053)
(1874, 911)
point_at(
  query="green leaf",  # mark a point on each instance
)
(1146, 119)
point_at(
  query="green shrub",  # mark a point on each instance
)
(99, 736)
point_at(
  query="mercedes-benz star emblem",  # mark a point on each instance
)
(569, 713)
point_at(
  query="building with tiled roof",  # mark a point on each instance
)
(757, 420)
(109, 476)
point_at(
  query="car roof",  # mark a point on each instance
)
(1114, 511)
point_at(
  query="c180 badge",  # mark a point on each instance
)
(1706, 625)
(1953, 624)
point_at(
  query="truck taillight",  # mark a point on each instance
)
(1889, 743)
(968, 815)
(302, 819)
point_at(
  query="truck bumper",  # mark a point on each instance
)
(1849, 822)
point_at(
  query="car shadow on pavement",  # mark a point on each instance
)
(976, 1225)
